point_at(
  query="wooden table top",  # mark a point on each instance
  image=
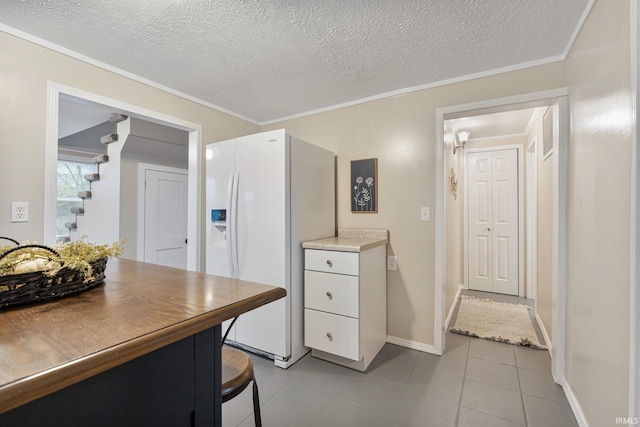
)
(140, 308)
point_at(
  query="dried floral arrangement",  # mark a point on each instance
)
(77, 255)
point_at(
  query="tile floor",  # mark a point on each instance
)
(475, 383)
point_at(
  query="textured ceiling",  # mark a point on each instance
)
(269, 59)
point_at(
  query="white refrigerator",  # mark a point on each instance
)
(266, 194)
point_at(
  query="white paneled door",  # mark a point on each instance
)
(165, 214)
(493, 221)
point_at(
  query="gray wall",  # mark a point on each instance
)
(88, 139)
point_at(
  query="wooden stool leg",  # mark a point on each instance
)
(256, 404)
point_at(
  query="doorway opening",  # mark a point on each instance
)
(448, 246)
(493, 223)
(192, 149)
(162, 210)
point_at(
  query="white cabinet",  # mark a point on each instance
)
(331, 333)
(332, 261)
(345, 303)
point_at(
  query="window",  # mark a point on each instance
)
(70, 182)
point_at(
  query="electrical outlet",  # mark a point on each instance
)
(19, 212)
(392, 263)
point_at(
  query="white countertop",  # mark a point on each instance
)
(350, 240)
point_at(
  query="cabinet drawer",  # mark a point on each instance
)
(333, 293)
(334, 334)
(331, 261)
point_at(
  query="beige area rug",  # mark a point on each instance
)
(496, 321)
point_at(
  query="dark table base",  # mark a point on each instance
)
(177, 385)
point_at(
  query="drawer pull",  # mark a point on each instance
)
(329, 295)
(329, 263)
(329, 336)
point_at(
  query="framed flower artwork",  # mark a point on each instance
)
(364, 186)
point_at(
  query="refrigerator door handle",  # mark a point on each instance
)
(234, 226)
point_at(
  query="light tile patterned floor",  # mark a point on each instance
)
(475, 383)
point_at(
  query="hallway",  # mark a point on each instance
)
(475, 383)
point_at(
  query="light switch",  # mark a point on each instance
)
(392, 263)
(425, 214)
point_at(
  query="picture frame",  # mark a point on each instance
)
(364, 186)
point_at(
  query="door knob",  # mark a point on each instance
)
(488, 229)
(329, 263)
(329, 295)
(329, 336)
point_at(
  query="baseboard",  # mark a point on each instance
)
(414, 345)
(545, 335)
(453, 307)
(568, 391)
(575, 406)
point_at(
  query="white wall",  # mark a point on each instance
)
(454, 219)
(598, 271)
(544, 227)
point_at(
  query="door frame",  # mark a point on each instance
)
(531, 218)
(518, 149)
(142, 194)
(634, 273)
(534, 99)
(54, 91)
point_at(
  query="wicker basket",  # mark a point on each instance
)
(33, 287)
(10, 239)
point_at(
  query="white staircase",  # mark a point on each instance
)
(101, 161)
